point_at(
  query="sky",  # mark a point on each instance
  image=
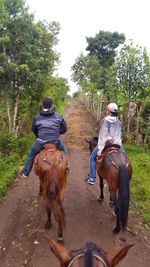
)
(85, 18)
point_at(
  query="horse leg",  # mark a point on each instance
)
(113, 191)
(111, 202)
(60, 238)
(101, 184)
(61, 225)
(48, 223)
(117, 228)
(40, 191)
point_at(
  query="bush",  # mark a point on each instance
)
(14, 152)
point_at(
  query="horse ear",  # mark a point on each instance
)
(62, 253)
(115, 255)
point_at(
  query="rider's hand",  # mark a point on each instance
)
(98, 153)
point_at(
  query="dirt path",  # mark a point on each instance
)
(23, 215)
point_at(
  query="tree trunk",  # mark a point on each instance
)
(15, 115)
(147, 135)
(9, 117)
(131, 114)
(139, 138)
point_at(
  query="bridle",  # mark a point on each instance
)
(82, 254)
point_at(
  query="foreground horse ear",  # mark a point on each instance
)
(115, 255)
(62, 253)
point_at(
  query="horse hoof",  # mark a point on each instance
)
(114, 214)
(111, 204)
(99, 199)
(60, 240)
(116, 231)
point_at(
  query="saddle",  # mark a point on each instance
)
(46, 148)
(108, 149)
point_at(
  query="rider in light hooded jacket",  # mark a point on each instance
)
(110, 131)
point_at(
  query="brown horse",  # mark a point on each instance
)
(116, 168)
(89, 256)
(51, 167)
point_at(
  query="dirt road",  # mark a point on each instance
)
(22, 215)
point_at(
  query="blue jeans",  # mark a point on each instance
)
(35, 149)
(92, 172)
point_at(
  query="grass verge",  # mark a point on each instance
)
(13, 154)
(140, 182)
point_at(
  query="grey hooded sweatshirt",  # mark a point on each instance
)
(110, 130)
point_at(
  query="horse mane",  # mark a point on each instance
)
(88, 251)
(88, 257)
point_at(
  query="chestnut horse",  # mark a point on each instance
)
(89, 256)
(51, 167)
(116, 168)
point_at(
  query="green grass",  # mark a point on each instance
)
(13, 154)
(140, 182)
(61, 106)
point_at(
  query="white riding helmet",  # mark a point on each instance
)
(112, 107)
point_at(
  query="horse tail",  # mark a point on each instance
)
(123, 196)
(54, 198)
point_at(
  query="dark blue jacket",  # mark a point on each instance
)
(48, 125)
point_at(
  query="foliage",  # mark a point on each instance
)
(90, 72)
(56, 88)
(103, 45)
(27, 62)
(86, 72)
(121, 76)
(13, 154)
(140, 186)
(131, 73)
(27, 58)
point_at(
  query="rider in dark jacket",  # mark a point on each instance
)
(47, 127)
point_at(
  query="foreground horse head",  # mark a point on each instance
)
(116, 168)
(89, 256)
(51, 167)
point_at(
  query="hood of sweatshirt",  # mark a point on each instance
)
(111, 119)
(46, 112)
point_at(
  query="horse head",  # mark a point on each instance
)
(89, 256)
(92, 143)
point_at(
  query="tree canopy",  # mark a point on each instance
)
(27, 59)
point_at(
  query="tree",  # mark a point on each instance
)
(133, 75)
(27, 57)
(104, 45)
(57, 88)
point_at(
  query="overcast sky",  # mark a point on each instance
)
(84, 18)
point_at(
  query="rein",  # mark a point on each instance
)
(82, 254)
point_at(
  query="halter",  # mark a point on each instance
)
(82, 254)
